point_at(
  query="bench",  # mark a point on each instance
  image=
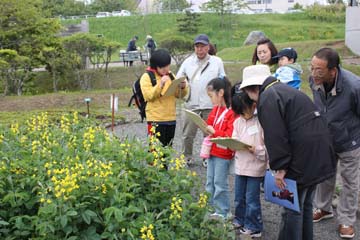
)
(133, 56)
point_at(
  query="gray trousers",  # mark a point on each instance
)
(189, 132)
(349, 163)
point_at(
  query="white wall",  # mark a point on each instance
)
(352, 29)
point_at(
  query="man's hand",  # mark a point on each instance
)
(279, 179)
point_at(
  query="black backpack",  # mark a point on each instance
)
(138, 96)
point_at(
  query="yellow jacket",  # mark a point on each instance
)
(159, 108)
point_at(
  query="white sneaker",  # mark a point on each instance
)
(205, 162)
(189, 161)
(252, 234)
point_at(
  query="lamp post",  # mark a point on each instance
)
(88, 100)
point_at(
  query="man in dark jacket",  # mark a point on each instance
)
(337, 96)
(132, 47)
(298, 143)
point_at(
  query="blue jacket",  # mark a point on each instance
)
(341, 108)
(290, 74)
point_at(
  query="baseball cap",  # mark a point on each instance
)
(202, 38)
(255, 75)
(288, 52)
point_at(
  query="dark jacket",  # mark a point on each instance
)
(341, 109)
(131, 45)
(296, 136)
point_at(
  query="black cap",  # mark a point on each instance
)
(288, 52)
(202, 38)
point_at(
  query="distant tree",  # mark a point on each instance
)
(24, 30)
(85, 49)
(112, 5)
(224, 6)
(178, 46)
(188, 23)
(335, 1)
(171, 5)
(54, 8)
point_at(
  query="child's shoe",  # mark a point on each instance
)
(251, 233)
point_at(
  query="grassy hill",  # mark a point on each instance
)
(227, 31)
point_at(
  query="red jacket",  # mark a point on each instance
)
(223, 125)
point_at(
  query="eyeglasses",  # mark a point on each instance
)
(318, 72)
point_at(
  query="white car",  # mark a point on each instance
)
(103, 14)
(121, 13)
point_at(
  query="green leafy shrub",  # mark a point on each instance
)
(68, 179)
(329, 13)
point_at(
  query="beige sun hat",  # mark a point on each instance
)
(255, 75)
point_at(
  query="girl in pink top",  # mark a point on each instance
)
(250, 166)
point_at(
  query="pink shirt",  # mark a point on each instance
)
(251, 133)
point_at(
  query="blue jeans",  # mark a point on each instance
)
(299, 225)
(217, 184)
(247, 202)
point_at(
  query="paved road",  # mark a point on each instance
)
(326, 230)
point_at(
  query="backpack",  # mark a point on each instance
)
(138, 96)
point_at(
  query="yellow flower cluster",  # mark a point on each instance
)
(38, 123)
(89, 138)
(14, 128)
(1, 138)
(63, 187)
(156, 150)
(202, 200)
(146, 232)
(178, 163)
(176, 208)
(65, 124)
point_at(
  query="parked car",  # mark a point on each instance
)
(103, 14)
(121, 13)
(243, 11)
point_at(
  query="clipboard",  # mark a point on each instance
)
(286, 198)
(196, 119)
(171, 89)
(231, 143)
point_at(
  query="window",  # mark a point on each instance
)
(290, 1)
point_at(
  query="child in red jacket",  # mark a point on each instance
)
(220, 124)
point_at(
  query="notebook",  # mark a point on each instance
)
(287, 198)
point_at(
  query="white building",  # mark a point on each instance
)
(280, 5)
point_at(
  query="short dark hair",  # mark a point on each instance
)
(272, 48)
(160, 58)
(329, 55)
(219, 83)
(241, 102)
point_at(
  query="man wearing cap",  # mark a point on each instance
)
(289, 71)
(132, 47)
(337, 95)
(199, 69)
(298, 143)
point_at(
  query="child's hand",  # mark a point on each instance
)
(210, 130)
(163, 80)
(182, 85)
(251, 149)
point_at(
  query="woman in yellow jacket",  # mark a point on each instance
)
(161, 110)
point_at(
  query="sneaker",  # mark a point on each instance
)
(346, 231)
(189, 161)
(250, 233)
(204, 162)
(236, 224)
(319, 215)
(216, 216)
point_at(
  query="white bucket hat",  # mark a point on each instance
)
(255, 75)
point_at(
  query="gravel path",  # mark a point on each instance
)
(325, 230)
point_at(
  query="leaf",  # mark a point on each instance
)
(3, 223)
(63, 221)
(71, 213)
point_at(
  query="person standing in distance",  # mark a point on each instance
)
(298, 143)
(336, 94)
(199, 69)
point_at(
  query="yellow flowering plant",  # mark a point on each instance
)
(66, 177)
